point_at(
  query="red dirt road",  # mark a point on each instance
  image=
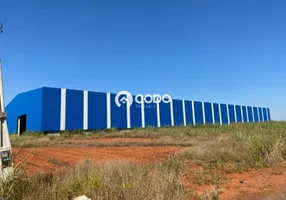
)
(54, 159)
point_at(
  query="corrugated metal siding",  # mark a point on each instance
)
(136, 114)
(118, 114)
(178, 112)
(216, 113)
(264, 114)
(97, 110)
(74, 110)
(244, 113)
(250, 115)
(269, 116)
(51, 106)
(165, 113)
(260, 113)
(53, 109)
(224, 117)
(238, 113)
(208, 113)
(27, 103)
(199, 113)
(255, 114)
(189, 113)
(231, 113)
(150, 111)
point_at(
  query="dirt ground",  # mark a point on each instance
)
(262, 184)
(265, 184)
(45, 159)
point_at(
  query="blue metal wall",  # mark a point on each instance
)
(48, 110)
(51, 109)
(178, 112)
(29, 104)
(97, 106)
(208, 113)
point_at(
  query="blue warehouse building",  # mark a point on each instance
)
(56, 109)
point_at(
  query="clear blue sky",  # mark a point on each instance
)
(218, 51)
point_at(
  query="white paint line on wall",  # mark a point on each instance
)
(128, 116)
(63, 110)
(158, 115)
(227, 111)
(184, 112)
(204, 114)
(172, 112)
(242, 117)
(235, 116)
(143, 114)
(85, 110)
(193, 112)
(213, 116)
(108, 110)
(220, 115)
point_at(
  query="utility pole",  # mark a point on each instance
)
(6, 163)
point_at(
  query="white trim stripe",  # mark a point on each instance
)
(235, 116)
(227, 111)
(143, 114)
(193, 113)
(220, 115)
(158, 115)
(184, 112)
(204, 114)
(85, 110)
(262, 114)
(213, 116)
(258, 114)
(242, 116)
(247, 117)
(253, 117)
(172, 112)
(63, 110)
(128, 116)
(108, 110)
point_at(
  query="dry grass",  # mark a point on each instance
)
(107, 180)
(230, 148)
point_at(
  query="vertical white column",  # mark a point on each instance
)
(220, 115)
(63, 110)
(262, 114)
(85, 110)
(253, 114)
(235, 116)
(172, 112)
(184, 112)
(143, 114)
(128, 115)
(247, 117)
(158, 115)
(18, 126)
(193, 113)
(204, 114)
(227, 111)
(242, 117)
(108, 110)
(258, 114)
(213, 116)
